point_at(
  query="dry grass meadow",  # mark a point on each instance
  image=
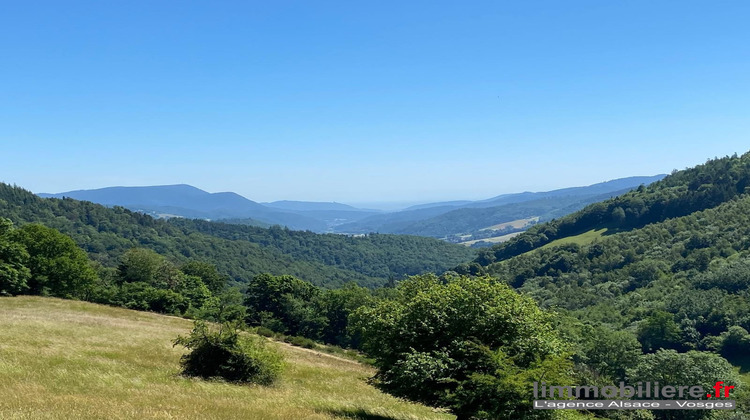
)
(63, 359)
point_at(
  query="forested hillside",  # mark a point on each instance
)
(669, 262)
(239, 251)
(191, 202)
(679, 194)
(471, 220)
(463, 221)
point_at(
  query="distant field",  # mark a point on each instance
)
(515, 224)
(64, 359)
(494, 240)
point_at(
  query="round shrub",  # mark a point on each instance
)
(301, 342)
(226, 354)
(265, 332)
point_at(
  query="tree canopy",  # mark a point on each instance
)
(471, 344)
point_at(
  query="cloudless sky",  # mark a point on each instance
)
(368, 101)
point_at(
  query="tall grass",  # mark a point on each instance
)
(63, 359)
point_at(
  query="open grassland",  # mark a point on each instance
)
(63, 359)
(516, 224)
(494, 239)
(582, 239)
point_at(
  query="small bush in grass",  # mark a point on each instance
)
(300, 342)
(224, 353)
(265, 332)
(309, 344)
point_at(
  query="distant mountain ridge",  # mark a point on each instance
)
(241, 252)
(453, 220)
(310, 206)
(187, 201)
(593, 189)
(463, 220)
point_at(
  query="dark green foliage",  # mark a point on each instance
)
(685, 369)
(227, 354)
(609, 353)
(208, 274)
(227, 306)
(287, 305)
(733, 277)
(193, 288)
(284, 304)
(473, 345)
(139, 265)
(694, 267)
(300, 341)
(682, 193)
(14, 274)
(145, 280)
(734, 344)
(144, 297)
(338, 305)
(148, 281)
(39, 260)
(265, 332)
(659, 331)
(373, 255)
(58, 267)
(241, 252)
(668, 262)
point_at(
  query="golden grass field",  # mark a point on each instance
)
(62, 359)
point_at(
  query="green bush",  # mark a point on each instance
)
(226, 354)
(309, 344)
(298, 341)
(734, 343)
(265, 332)
(473, 345)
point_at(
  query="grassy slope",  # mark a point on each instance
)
(582, 239)
(64, 359)
(494, 239)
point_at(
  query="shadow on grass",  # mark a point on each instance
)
(357, 414)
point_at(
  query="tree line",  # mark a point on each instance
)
(242, 252)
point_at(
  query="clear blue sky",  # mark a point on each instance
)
(368, 101)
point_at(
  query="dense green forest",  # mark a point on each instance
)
(680, 194)
(663, 267)
(678, 247)
(239, 251)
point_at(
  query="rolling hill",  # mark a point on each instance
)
(64, 359)
(187, 201)
(461, 221)
(455, 221)
(238, 250)
(674, 254)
